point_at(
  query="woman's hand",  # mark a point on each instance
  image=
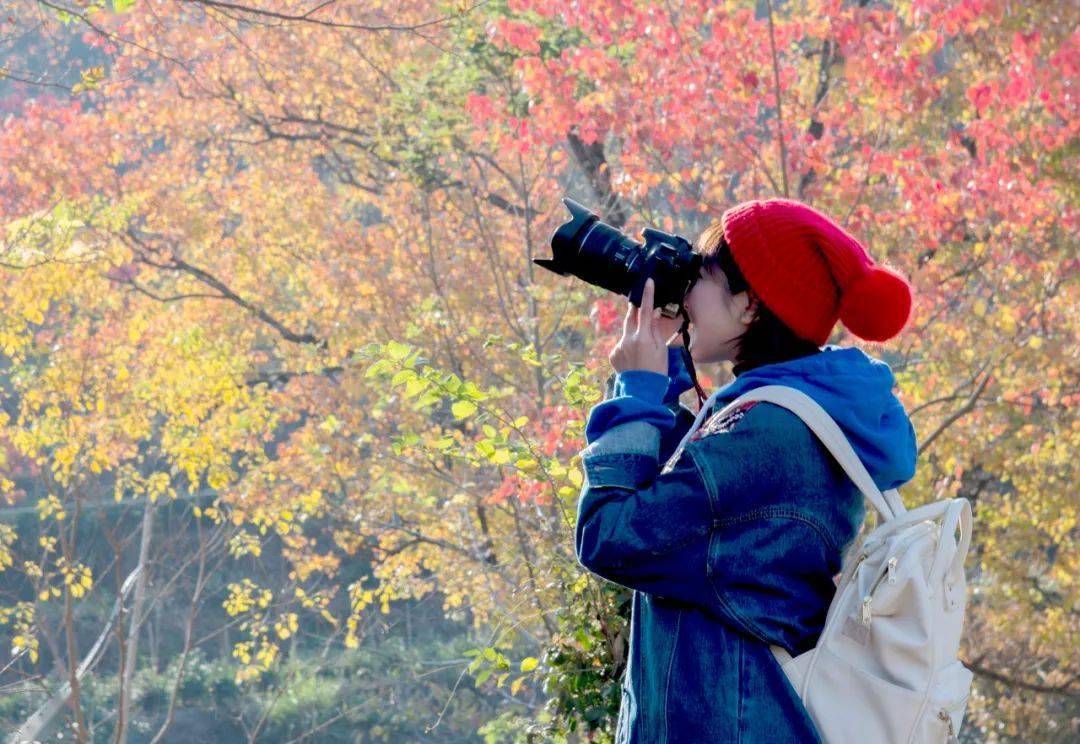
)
(643, 345)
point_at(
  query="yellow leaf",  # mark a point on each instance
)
(574, 476)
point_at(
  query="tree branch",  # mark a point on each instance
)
(175, 263)
(307, 17)
(594, 163)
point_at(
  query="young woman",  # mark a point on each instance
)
(731, 541)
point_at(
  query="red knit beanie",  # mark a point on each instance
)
(809, 272)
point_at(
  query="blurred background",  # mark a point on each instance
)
(289, 420)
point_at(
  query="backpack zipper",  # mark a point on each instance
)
(943, 714)
(889, 573)
(890, 566)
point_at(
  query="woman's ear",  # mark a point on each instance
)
(750, 308)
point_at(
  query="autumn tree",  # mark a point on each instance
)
(282, 255)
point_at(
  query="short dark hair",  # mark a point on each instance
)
(768, 339)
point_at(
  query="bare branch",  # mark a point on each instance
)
(308, 16)
(175, 263)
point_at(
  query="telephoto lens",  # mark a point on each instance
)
(603, 256)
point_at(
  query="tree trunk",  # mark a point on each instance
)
(133, 629)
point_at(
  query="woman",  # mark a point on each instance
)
(734, 544)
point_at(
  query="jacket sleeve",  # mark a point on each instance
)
(634, 526)
(648, 397)
(638, 528)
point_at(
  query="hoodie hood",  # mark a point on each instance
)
(856, 390)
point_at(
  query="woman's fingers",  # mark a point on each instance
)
(642, 343)
(630, 319)
(646, 304)
(655, 331)
(642, 321)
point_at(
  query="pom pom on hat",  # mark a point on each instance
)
(876, 306)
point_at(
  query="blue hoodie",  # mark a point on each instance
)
(853, 387)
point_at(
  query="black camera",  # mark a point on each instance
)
(603, 256)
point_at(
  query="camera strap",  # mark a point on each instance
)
(687, 360)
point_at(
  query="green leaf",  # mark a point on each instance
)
(528, 664)
(463, 409)
(473, 392)
(401, 376)
(397, 350)
(414, 386)
(375, 368)
(428, 399)
(482, 677)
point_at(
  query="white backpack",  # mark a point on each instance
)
(885, 667)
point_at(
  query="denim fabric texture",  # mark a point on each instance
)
(731, 548)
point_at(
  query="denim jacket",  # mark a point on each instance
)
(733, 546)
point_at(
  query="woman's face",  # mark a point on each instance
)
(717, 318)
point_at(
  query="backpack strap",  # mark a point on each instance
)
(827, 430)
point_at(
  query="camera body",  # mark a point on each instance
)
(603, 256)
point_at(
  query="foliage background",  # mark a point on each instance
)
(277, 371)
